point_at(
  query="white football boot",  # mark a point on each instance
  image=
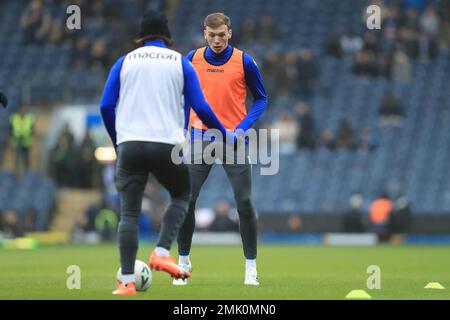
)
(179, 281)
(251, 277)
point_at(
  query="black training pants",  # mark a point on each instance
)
(135, 160)
(240, 177)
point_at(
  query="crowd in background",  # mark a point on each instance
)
(412, 31)
(100, 221)
(74, 165)
(13, 224)
(107, 27)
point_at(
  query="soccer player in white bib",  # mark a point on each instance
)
(143, 111)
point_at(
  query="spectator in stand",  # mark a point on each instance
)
(391, 112)
(35, 23)
(222, 221)
(333, 47)
(91, 212)
(106, 223)
(392, 17)
(400, 219)
(308, 73)
(288, 129)
(267, 30)
(99, 55)
(390, 26)
(427, 48)
(351, 44)
(84, 163)
(384, 66)
(408, 40)
(353, 220)
(101, 218)
(271, 69)
(81, 53)
(9, 224)
(445, 9)
(327, 140)
(61, 157)
(294, 224)
(401, 73)
(429, 22)
(283, 70)
(29, 220)
(380, 211)
(371, 43)
(410, 19)
(289, 74)
(443, 38)
(247, 32)
(22, 133)
(368, 140)
(345, 138)
(306, 137)
(120, 30)
(55, 35)
(365, 64)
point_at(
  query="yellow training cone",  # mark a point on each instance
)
(358, 294)
(434, 285)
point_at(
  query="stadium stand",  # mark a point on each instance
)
(411, 157)
(32, 198)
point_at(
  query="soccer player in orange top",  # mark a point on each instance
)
(225, 73)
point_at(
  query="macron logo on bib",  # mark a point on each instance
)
(215, 70)
(152, 55)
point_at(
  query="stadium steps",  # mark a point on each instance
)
(72, 205)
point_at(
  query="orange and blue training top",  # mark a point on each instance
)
(224, 79)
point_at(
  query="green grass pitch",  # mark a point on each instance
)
(285, 272)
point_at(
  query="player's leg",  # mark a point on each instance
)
(175, 178)
(198, 174)
(131, 177)
(240, 177)
(198, 171)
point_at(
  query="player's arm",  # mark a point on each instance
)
(254, 82)
(187, 107)
(194, 97)
(109, 100)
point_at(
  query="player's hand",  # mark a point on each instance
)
(235, 139)
(231, 138)
(3, 100)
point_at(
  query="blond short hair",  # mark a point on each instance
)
(217, 19)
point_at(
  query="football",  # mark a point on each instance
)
(142, 274)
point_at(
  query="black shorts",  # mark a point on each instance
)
(136, 159)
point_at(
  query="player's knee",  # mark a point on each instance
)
(128, 223)
(245, 207)
(130, 216)
(182, 201)
(193, 201)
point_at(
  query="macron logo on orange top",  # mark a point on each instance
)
(224, 88)
(215, 70)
